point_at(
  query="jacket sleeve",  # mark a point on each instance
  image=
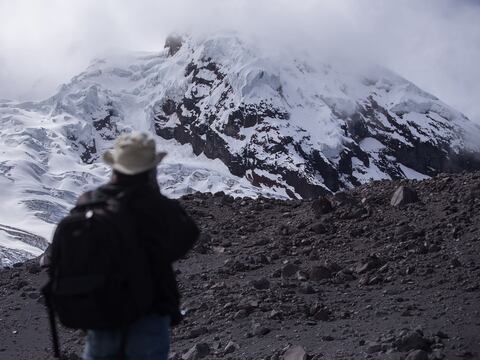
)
(165, 226)
(182, 231)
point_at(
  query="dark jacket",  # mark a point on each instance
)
(167, 232)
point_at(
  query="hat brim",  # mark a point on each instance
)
(109, 159)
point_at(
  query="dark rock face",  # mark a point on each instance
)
(87, 149)
(106, 126)
(207, 138)
(103, 126)
(199, 125)
(430, 158)
(173, 43)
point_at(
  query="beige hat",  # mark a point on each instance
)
(133, 153)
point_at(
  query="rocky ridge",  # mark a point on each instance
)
(389, 270)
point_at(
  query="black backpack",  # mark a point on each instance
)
(100, 274)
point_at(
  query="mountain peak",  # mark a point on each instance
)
(234, 118)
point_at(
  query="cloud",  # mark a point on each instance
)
(433, 43)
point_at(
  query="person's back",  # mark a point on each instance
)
(164, 230)
(163, 226)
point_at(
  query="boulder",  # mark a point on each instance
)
(319, 272)
(260, 330)
(289, 270)
(417, 355)
(231, 347)
(261, 284)
(319, 228)
(373, 347)
(321, 206)
(295, 353)
(404, 195)
(370, 263)
(413, 340)
(198, 351)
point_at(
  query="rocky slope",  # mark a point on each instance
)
(349, 276)
(233, 118)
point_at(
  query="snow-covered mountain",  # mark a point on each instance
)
(232, 119)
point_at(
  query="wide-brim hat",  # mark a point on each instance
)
(133, 154)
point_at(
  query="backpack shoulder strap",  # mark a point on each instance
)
(102, 195)
(86, 198)
(92, 197)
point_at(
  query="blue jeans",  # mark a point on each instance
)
(146, 339)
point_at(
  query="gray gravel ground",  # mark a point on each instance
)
(345, 277)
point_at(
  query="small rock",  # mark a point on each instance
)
(403, 232)
(306, 288)
(194, 333)
(34, 295)
(218, 249)
(434, 248)
(319, 228)
(34, 268)
(322, 315)
(320, 272)
(275, 315)
(345, 315)
(373, 347)
(261, 284)
(285, 230)
(456, 263)
(240, 314)
(227, 199)
(438, 354)
(412, 341)
(231, 347)
(441, 335)
(322, 206)
(417, 355)
(295, 353)
(198, 351)
(289, 270)
(374, 280)
(372, 262)
(302, 275)
(260, 330)
(343, 198)
(18, 285)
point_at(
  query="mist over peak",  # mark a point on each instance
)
(432, 43)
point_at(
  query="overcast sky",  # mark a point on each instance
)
(434, 43)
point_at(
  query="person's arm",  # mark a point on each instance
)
(165, 226)
(182, 230)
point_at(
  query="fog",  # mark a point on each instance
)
(434, 43)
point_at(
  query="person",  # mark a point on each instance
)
(168, 232)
